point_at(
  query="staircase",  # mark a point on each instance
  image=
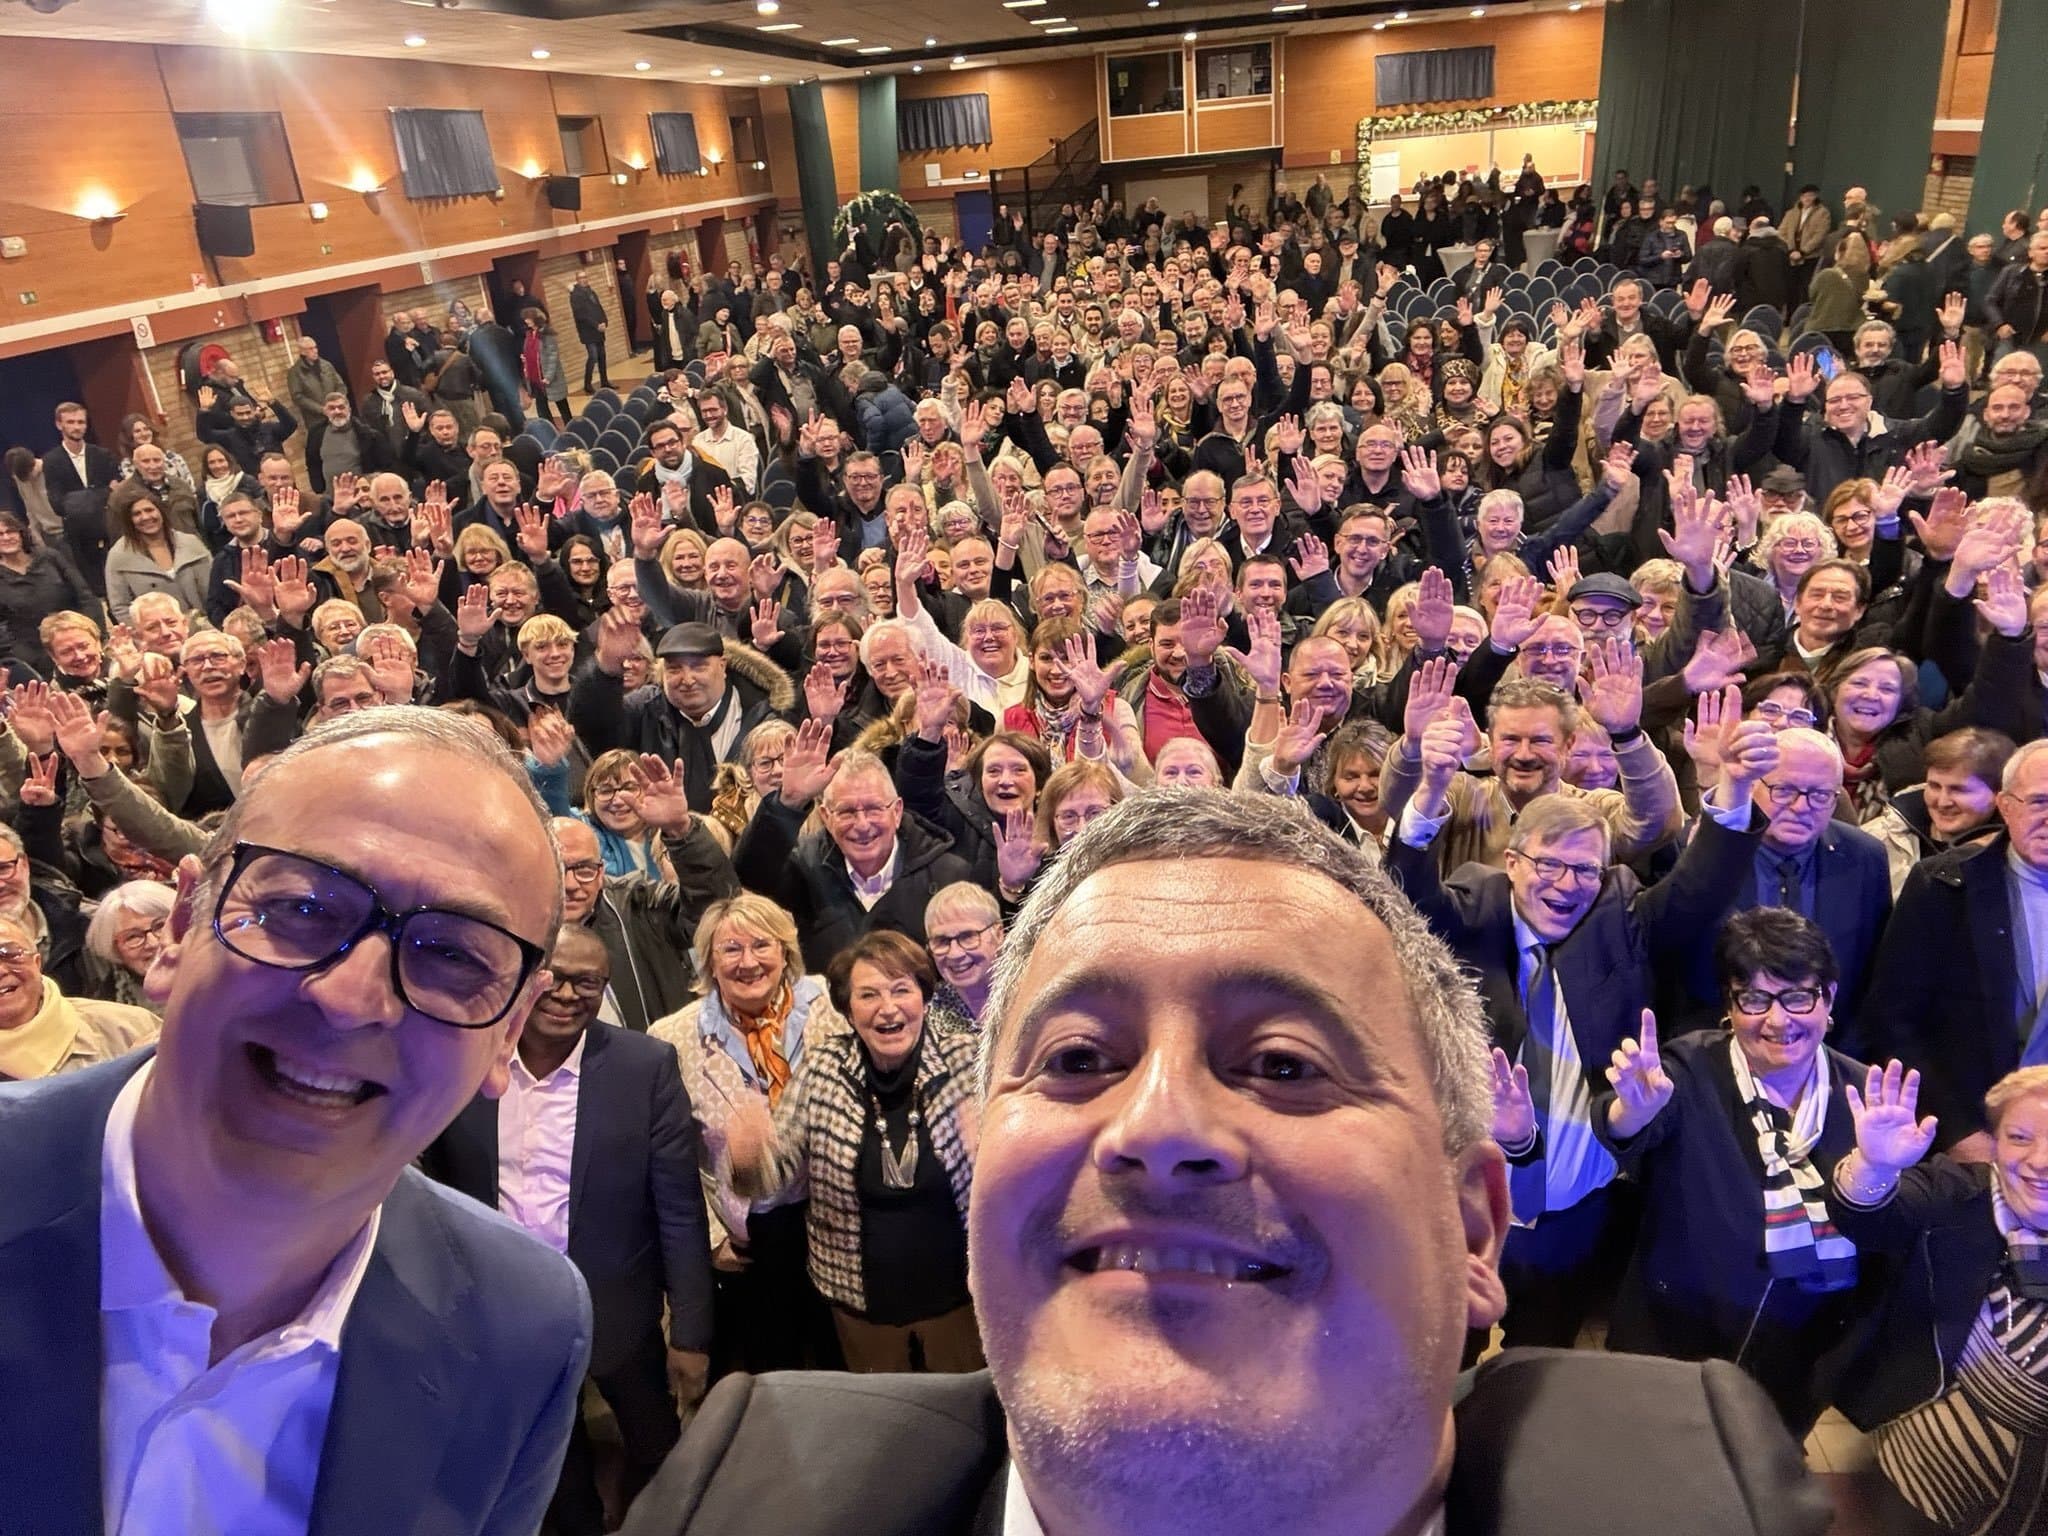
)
(1069, 172)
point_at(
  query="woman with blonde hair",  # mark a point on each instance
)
(739, 1046)
(740, 787)
(1353, 624)
(1397, 632)
(682, 558)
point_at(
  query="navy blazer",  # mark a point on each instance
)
(1607, 964)
(461, 1360)
(637, 1228)
(1852, 898)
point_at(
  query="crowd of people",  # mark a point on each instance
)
(1689, 681)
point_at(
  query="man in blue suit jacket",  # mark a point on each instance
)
(228, 1304)
(630, 1216)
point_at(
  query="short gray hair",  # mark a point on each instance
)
(143, 898)
(2027, 752)
(456, 734)
(1172, 825)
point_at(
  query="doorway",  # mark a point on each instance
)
(630, 268)
(974, 217)
(318, 320)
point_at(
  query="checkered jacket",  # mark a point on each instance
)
(819, 1126)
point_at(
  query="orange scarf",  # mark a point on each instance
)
(764, 1042)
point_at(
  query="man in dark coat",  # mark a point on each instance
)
(495, 351)
(592, 324)
(872, 866)
(695, 478)
(1763, 272)
(625, 1205)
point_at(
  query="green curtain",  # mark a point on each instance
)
(1693, 92)
(817, 185)
(878, 134)
(2012, 161)
(1869, 75)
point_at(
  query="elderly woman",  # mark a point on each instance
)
(1189, 762)
(127, 932)
(881, 1124)
(611, 804)
(1788, 548)
(42, 1031)
(1731, 1135)
(963, 930)
(1954, 806)
(739, 1047)
(740, 787)
(1951, 1380)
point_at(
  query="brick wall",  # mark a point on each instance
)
(436, 299)
(263, 366)
(1949, 194)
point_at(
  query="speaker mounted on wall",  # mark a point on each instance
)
(566, 193)
(224, 229)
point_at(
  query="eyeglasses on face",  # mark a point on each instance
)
(1819, 796)
(1755, 1002)
(293, 913)
(946, 943)
(1779, 717)
(1557, 871)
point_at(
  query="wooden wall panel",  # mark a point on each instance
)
(1142, 138)
(1030, 107)
(1554, 56)
(1226, 128)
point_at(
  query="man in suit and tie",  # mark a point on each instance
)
(1809, 863)
(240, 1307)
(76, 465)
(1235, 1203)
(592, 1149)
(1567, 949)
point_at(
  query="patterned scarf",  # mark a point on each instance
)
(2026, 1250)
(1800, 1242)
(763, 1035)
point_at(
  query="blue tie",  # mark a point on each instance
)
(1527, 1182)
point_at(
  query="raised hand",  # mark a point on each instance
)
(1298, 737)
(1130, 538)
(1760, 389)
(2004, 603)
(1617, 468)
(1613, 693)
(764, 574)
(474, 617)
(39, 780)
(532, 532)
(1091, 683)
(1697, 295)
(1429, 695)
(294, 586)
(1709, 732)
(937, 698)
(1018, 854)
(1801, 378)
(1890, 1135)
(809, 766)
(1927, 468)
(1515, 615)
(1435, 607)
(423, 577)
(1749, 756)
(1447, 742)
(415, 418)
(664, 802)
(765, 624)
(285, 513)
(1941, 530)
(1287, 434)
(156, 686)
(1419, 476)
(1262, 661)
(824, 545)
(1514, 1112)
(618, 637)
(1564, 569)
(283, 675)
(648, 532)
(79, 732)
(124, 652)
(1953, 373)
(824, 695)
(1311, 557)
(550, 738)
(1718, 311)
(1201, 626)
(1718, 660)
(1745, 509)
(973, 428)
(1694, 535)
(554, 479)
(256, 588)
(913, 461)
(1571, 354)
(1641, 1085)
(1152, 517)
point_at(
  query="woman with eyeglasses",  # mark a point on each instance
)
(611, 805)
(1732, 1133)
(963, 930)
(127, 932)
(880, 1125)
(739, 1046)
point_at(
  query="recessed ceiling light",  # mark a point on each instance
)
(959, 59)
(1187, 37)
(1400, 15)
(642, 64)
(779, 26)
(873, 48)
(1048, 21)
(1295, 5)
(1055, 31)
(716, 73)
(542, 53)
(931, 42)
(840, 42)
(766, 78)
(415, 41)
(1478, 11)
(1020, 5)
(767, 7)
(917, 69)
(1573, 6)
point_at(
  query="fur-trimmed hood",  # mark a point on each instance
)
(749, 666)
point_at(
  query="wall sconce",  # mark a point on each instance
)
(533, 170)
(365, 183)
(318, 211)
(99, 208)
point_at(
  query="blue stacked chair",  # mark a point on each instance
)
(1549, 268)
(599, 412)
(639, 409)
(1541, 291)
(1766, 322)
(1607, 272)
(779, 494)
(608, 395)
(693, 370)
(541, 430)
(1585, 264)
(617, 444)
(582, 431)
(1799, 318)
(602, 458)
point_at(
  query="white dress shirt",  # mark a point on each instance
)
(1019, 1519)
(735, 452)
(536, 1142)
(868, 891)
(190, 1448)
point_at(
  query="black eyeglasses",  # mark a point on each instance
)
(1756, 1002)
(293, 913)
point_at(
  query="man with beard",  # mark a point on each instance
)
(1529, 729)
(1235, 1204)
(683, 482)
(346, 568)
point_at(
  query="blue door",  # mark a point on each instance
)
(975, 217)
